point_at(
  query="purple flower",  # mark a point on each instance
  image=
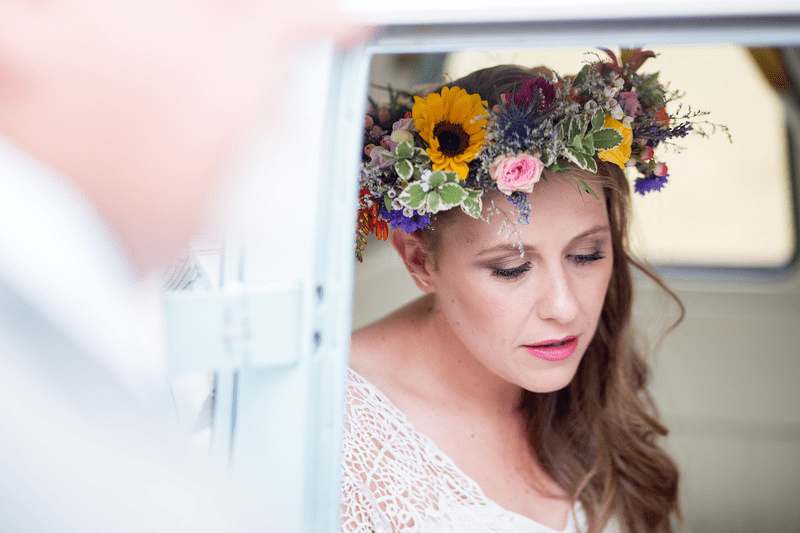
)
(681, 130)
(655, 133)
(377, 157)
(650, 183)
(388, 143)
(406, 224)
(520, 201)
(404, 124)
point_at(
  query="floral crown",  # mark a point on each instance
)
(448, 148)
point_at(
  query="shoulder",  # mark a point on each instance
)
(379, 348)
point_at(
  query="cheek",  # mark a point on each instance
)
(477, 311)
(596, 290)
(466, 309)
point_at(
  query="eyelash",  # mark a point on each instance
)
(586, 258)
(516, 272)
(511, 273)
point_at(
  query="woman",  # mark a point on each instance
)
(510, 397)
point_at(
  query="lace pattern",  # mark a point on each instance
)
(396, 480)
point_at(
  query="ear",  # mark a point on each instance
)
(416, 257)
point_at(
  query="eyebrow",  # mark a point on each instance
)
(600, 228)
(509, 247)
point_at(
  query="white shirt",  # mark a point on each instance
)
(87, 442)
(57, 253)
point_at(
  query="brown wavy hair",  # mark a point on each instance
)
(598, 436)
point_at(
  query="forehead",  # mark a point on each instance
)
(559, 213)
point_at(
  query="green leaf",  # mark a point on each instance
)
(576, 131)
(413, 196)
(588, 145)
(387, 155)
(571, 129)
(607, 139)
(581, 77)
(575, 156)
(404, 169)
(573, 184)
(387, 202)
(417, 192)
(451, 177)
(585, 188)
(475, 194)
(434, 202)
(472, 205)
(582, 160)
(452, 194)
(404, 150)
(557, 167)
(437, 179)
(598, 120)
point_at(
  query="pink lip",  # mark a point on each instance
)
(557, 350)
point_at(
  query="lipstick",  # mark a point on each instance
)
(556, 350)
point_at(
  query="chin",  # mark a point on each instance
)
(550, 380)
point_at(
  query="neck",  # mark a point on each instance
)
(456, 373)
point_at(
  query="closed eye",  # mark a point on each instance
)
(583, 259)
(511, 273)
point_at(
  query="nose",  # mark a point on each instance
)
(558, 300)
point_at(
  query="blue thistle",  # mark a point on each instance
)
(515, 124)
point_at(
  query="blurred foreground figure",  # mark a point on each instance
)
(115, 118)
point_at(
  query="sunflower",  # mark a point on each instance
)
(451, 122)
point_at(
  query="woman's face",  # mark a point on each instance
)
(527, 320)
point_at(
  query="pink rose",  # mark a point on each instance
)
(660, 169)
(516, 172)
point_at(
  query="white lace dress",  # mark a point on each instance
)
(394, 479)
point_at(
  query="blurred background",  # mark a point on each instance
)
(723, 233)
